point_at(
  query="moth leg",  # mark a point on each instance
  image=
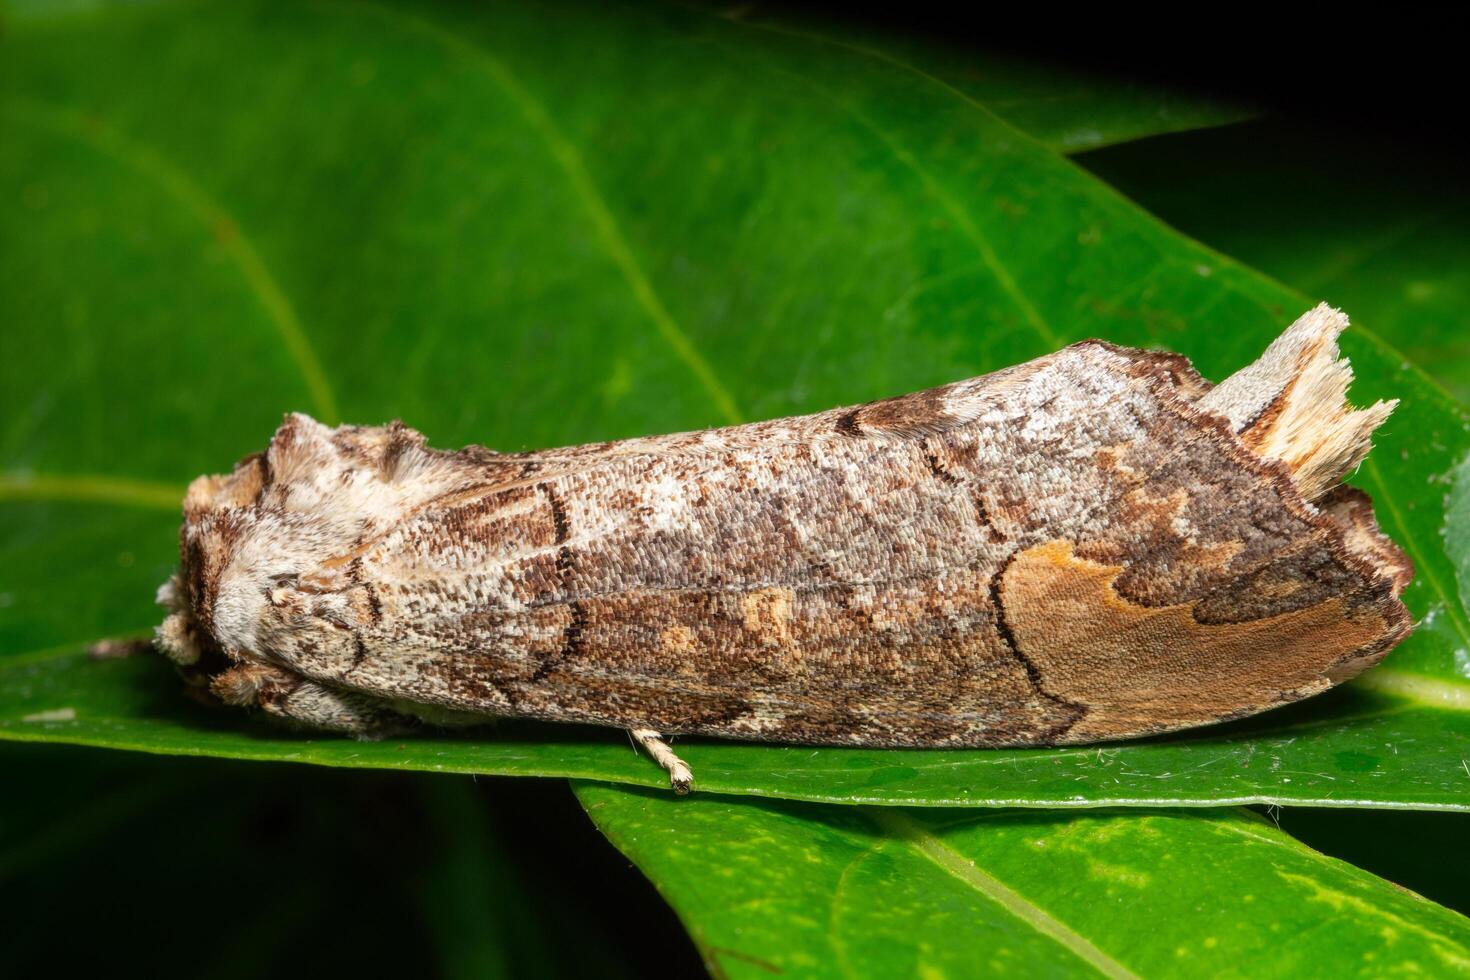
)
(680, 778)
(305, 702)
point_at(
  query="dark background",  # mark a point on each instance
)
(1386, 77)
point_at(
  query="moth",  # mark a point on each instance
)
(1098, 544)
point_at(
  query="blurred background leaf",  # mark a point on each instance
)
(1069, 110)
(649, 219)
(1380, 232)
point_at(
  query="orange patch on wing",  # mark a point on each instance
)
(678, 639)
(1140, 669)
(767, 614)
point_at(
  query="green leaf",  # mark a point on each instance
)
(648, 219)
(1407, 847)
(1457, 542)
(1370, 228)
(777, 887)
(1066, 109)
(1347, 748)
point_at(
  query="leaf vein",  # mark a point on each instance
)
(147, 161)
(569, 159)
(908, 830)
(90, 488)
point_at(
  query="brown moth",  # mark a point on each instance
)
(1097, 544)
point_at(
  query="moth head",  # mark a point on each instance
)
(220, 585)
(266, 551)
(218, 510)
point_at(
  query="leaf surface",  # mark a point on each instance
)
(646, 220)
(1383, 233)
(777, 887)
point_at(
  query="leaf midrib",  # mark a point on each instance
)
(898, 825)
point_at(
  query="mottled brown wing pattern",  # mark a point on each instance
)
(1069, 550)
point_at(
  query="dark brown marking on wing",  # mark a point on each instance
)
(572, 645)
(982, 511)
(847, 423)
(943, 472)
(1033, 673)
(558, 513)
(573, 638)
(938, 468)
(922, 413)
(374, 603)
(356, 577)
(478, 679)
(401, 441)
